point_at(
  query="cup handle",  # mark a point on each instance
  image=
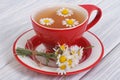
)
(91, 8)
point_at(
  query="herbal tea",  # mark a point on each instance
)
(59, 17)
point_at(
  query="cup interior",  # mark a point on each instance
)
(80, 11)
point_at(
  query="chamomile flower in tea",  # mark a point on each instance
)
(46, 21)
(70, 22)
(64, 12)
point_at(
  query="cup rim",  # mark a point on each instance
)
(78, 6)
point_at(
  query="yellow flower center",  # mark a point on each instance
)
(65, 11)
(63, 67)
(46, 21)
(70, 62)
(70, 22)
(62, 59)
(62, 47)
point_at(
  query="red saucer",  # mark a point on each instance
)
(90, 57)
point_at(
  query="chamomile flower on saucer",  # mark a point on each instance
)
(67, 57)
(61, 49)
(61, 62)
(61, 59)
(70, 22)
(76, 53)
(46, 21)
(64, 12)
(62, 69)
(70, 63)
(74, 49)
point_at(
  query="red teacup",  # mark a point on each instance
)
(52, 36)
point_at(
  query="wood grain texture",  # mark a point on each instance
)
(15, 19)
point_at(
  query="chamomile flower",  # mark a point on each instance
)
(64, 12)
(76, 53)
(67, 57)
(74, 49)
(70, 63)
(62, 69)
(61, 49)
(80, 53)
(62, 58)
(77, 50)
(46, 21)
(70, 22)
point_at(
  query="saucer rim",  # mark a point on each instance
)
(54, 73)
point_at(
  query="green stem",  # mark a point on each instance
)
(26, 52)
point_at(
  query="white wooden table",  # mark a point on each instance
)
(14, 20)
